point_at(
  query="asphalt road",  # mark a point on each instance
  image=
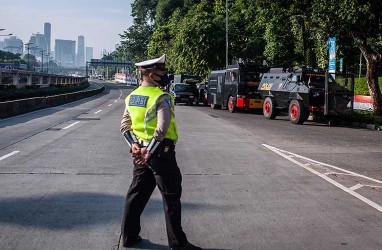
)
(248, 183)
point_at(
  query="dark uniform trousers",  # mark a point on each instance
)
(166, 174)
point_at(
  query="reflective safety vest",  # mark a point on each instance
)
(142, 106)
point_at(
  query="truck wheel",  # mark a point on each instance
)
(231, 105)
(297, 112)
(269, 108)
(214, 106)
(334, 122)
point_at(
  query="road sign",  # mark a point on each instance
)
(110, 63)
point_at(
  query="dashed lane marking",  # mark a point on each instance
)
(71, 125)
(8, 155)
(297, 158)
(109, 105)
(98, 111)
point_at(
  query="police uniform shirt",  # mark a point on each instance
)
(163, 118)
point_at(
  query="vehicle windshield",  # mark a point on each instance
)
(250, 77)
(183, 88)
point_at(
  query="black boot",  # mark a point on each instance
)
(188, 246)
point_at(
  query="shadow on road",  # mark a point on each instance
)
(146, 244)
(65, 211)
(61, 211)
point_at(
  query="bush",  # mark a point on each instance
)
(35, 91)
(360, 85)
(11, 86)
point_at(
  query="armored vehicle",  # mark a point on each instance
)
(236, 87)
(304, 91)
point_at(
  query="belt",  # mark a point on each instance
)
(145, 143)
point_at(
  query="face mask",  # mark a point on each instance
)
(164, 80)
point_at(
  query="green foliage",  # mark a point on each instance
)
(136, 39)
(198, 46)
(11, 93)
(363, 116)
(165, 8)
(284, 32)
(6, 56)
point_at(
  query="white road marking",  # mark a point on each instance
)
(355, 187)
(323, 176)
(116, 100)
(109, 105)
(98, 111)
(8, 155)
(71, 125)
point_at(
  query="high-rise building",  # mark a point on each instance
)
(89, 54)
(13, 44)
(65, 52)
(38, 43)
(81, 52)
(103, 53)
(47, 34)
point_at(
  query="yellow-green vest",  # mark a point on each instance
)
(142, 106)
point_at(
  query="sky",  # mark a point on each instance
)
(99, 21)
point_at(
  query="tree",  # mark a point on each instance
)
(165, 8)
(245, 35)
(6, 56)
(198, 46)
(136, 39)
(33, 63)
(361, 23)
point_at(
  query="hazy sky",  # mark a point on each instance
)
(100, 21)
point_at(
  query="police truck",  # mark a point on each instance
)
(236, 87)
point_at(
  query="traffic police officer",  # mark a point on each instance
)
(149, 127)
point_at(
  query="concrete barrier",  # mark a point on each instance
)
(17, 107)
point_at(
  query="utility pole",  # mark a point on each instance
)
(28, 45)
(47, 66)
(42, 60)
(226, 33)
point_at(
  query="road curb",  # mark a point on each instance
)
(366, 126)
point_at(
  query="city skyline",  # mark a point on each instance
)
(98, 21)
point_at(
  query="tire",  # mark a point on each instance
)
(214, 106)
(334, 122)
(231, 105)
(269, 108)
(297, 112)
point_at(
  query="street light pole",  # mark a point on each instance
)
(28, 45)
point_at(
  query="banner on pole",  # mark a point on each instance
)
(332, 54)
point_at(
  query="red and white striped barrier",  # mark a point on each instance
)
(362, 102)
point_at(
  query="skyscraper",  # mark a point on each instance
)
(81, 52)
(47, 34)
(89, 54)
(14, 45)
(39, 43)
(65, 52)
